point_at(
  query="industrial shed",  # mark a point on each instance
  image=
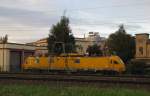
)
(12, 55)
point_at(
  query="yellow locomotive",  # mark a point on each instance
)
(75, 62)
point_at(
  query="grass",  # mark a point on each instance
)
(47, 90)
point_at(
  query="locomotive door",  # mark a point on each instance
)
(111, 65)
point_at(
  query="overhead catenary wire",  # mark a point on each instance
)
(27, 28)
(143, 20)
(96, 7)
(88, 8)
(98, 22)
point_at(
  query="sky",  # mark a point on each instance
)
(29, 20)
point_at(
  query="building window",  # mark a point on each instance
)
(141, 50)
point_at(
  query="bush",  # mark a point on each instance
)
(136, 67)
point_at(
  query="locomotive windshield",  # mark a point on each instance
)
(121, 61)
(116, 61)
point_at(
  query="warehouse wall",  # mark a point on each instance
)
(4, 59)
(12, 55)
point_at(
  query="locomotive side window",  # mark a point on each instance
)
(37, 60)
(77, 61)
(111, 62)
(115, 62)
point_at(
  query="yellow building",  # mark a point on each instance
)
(142, 46)
(41, 42)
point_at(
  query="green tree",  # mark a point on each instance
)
(5, 39)
(61, 33)
(122, 44)
(94, 50)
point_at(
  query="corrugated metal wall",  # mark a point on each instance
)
(17, 58)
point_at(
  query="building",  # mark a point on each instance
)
(41, 42)
(93, 38)
(81, 43)
(142, 47)
(41, 50)
(12, 55)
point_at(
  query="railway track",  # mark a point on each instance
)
(75, 78)
(76, 74)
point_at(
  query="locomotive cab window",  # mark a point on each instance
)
(115, 62)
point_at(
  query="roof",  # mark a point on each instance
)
(18, 44)
(142, 34)
(42, 39)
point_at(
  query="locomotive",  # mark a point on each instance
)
(74, 63)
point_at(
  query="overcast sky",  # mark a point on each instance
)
(30, 20)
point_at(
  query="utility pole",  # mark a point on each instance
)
(4, 41)
(3, 58)
(65, 54)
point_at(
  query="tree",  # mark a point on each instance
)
(60, 34)
(122, 44)
(4, 39)
(94, 50)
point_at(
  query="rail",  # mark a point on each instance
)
(76, 78)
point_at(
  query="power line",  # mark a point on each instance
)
(144, 20)
(99, 7)
(91, 8)
(47, 29)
